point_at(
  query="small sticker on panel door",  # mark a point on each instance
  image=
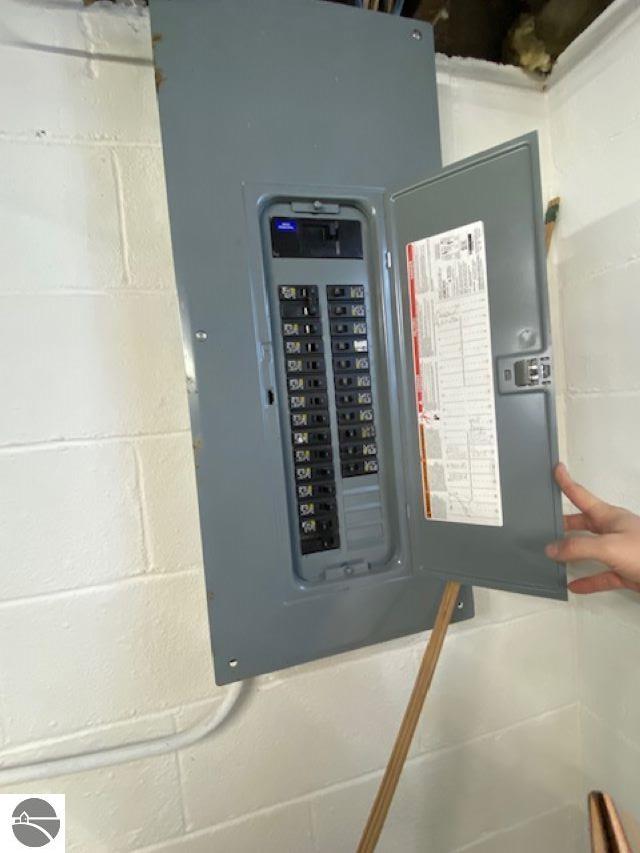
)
(453, 371)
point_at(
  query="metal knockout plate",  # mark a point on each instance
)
(501, 189)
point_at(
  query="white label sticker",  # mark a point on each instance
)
(453, 369)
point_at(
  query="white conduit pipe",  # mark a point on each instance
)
(85, 761)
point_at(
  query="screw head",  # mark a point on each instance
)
(416, 34)
(460, 605)
(233, 663)
(201, 335)
(317, 205)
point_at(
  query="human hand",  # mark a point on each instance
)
(616, 542)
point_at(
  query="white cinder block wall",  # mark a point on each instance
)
(103, 635)
(594, 111)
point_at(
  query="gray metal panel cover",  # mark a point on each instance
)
(501, 188)
(278, 92)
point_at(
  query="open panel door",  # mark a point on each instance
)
(477, 373)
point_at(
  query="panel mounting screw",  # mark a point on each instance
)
(317, 205)
(460, 605)
(416, 34)
(201, 335)
(233, 663)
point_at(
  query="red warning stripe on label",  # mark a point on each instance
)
(416, 357)
(412, 281)
(414, 327)
(426, 494)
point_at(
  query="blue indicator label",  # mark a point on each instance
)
(286, 225)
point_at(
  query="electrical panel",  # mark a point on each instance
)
(366, 333)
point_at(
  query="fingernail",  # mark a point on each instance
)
(551, 551)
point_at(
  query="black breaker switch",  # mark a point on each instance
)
(312, 452)
(352, 379)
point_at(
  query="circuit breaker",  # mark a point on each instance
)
(366, 333)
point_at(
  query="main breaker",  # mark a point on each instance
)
(366, 333)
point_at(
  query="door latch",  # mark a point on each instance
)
(525, 374)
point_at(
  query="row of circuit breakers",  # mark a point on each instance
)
(319, 285)
(315, 462)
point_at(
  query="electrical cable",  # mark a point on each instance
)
(399, 6)
(85, 761)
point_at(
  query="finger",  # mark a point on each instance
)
(586, 502)
(578, 521)
(601, 582)
(574, 549)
